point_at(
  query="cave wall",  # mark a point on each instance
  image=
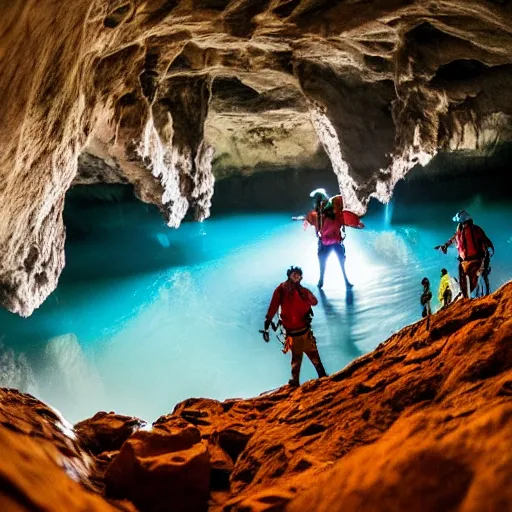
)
(166, 94)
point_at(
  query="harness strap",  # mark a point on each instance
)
(294, 334)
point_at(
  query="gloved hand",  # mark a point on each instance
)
(266, 335)
(442, 247)
(266, 325)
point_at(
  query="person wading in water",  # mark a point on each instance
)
(329, 220)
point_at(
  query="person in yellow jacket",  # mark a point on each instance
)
(445, 293)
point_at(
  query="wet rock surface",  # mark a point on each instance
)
(42, 465)
(165, 95)
(424, 422)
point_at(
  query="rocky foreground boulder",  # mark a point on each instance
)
(423, 423)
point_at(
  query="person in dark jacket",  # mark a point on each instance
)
(295, 302)
(425, 298)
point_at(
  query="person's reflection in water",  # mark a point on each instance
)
(349, 299)
(340, 325)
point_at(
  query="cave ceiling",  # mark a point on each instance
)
(169, 95)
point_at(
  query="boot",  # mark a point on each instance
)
(321, 371)
(294, 383)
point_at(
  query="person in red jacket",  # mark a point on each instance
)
(474, 248)
(329, 220)
(296, 313)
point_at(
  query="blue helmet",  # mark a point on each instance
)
(461, 216)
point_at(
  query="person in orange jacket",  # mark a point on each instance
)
(329, 220)
(474, 248)
(296, 314)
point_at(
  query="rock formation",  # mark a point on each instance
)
(42, 464)
(154, 93)
(424, 422)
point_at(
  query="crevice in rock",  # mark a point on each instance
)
(148, 78)
(238, 17)
(463, 69)
(229, 88)
(286, 7)
(216, 5)
(180, 63)
(117, 16)
(162, 11)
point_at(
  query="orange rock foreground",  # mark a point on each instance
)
(422, 423)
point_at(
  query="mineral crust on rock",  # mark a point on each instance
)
(424, 422)
(165, 94)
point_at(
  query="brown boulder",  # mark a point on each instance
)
(164, 469)
(31, 479)
(41, 465)
(28, 416)
(106, 432)
(418, 466)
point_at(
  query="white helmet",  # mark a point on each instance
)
(461, 216)
(319, 192)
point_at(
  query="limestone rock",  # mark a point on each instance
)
(106, 432)
(166, 94)
(424, 463)
(166, 468)
(32, 479)
(23, 414)
(42, 465)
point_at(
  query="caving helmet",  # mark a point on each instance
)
(444, 271)
(461, 217)
(293, 269)
(319, 195)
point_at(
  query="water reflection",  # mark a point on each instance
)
(340, 322)
(349, 297)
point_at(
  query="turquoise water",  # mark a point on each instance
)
(145, 316)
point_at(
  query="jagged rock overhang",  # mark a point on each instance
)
(133, 80)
